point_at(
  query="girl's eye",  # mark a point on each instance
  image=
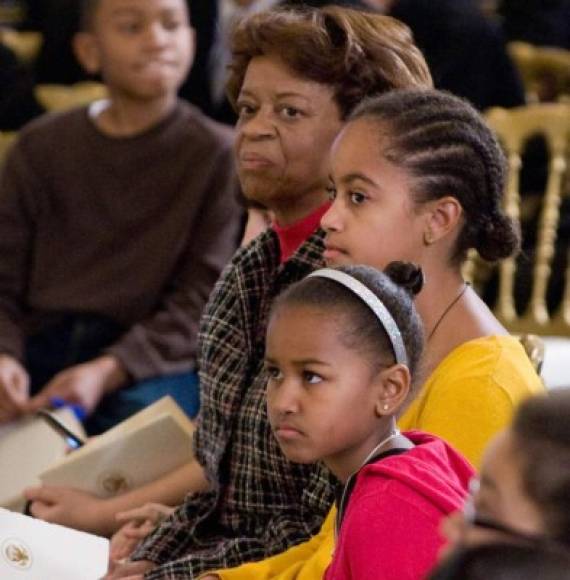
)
(331, 192)
(312, 378)
(357, 198)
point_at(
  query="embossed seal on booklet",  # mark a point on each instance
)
(16, 553)
(113, 483)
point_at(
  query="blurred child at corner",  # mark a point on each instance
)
(516, 523)
(157, 199)
(115, 220)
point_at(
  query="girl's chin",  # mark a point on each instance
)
(300, 458)
(334, 259)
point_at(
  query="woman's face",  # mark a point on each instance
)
(373, 219)
(500, 506)
(285, 130)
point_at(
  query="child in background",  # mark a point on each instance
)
(523, 494)
(342, 348)
(115, 222)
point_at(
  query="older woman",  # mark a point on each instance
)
(296, 75)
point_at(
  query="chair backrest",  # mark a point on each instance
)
(61, 97)
(514, 127)
(6, 140)
(24, 44)
(545, 70)
(534, 347)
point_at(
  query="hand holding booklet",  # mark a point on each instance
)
(31, 549)
(139, 450)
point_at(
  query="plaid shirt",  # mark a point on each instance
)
(260, 503)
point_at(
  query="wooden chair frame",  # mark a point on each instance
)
(514, 127)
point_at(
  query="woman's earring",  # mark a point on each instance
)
(428, 240)
(385, 407)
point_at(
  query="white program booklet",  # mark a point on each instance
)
(31, 549)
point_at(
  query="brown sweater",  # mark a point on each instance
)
(136, 229)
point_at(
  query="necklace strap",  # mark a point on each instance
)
(447, 309)
(394, 444)
(374, 303)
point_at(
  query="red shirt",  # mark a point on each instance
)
(390, 530)
(291, 237)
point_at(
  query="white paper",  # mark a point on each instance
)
(31, 549)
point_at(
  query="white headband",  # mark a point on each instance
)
(374, 303)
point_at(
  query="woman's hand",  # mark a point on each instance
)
(138, 524)
(150, 512)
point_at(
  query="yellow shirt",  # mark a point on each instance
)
(469, 397)
(473, 392)
(306, 561)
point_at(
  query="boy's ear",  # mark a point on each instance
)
(394, 386)
(193, 45)
(442, 217)
(87, 52)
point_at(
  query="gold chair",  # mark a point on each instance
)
(6, 140)
(24, 44)
(534, 347)
(514, 127)
(12, 13)
(545, 71)
(62, 97)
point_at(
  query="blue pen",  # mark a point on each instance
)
(78, 410)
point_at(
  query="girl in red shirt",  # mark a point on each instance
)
(342, 348)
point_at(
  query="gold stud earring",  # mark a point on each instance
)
(428, 240)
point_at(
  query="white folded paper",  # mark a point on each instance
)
(28, 447)
(137, 451)
(31, 549)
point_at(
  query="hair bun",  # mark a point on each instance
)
(407, 275)
(498, 238)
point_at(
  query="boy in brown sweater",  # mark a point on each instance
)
(115, 222)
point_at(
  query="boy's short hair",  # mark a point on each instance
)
(357, 53)
(87, 11)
